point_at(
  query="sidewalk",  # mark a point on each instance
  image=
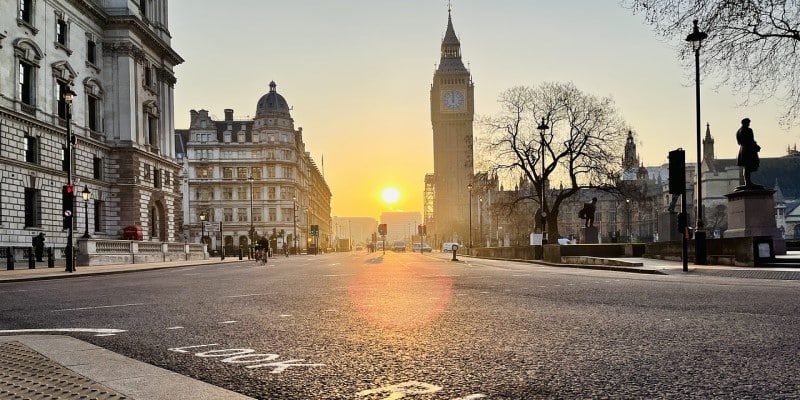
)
(21, 271)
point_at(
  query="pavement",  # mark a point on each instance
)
(57, 366)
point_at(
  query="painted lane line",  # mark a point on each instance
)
(100, 331)
(97, 307)
(285, 315)
(472, 397)
(329, 311)
(246, 295)
(400, 390)
(171, 328)
(229, 322)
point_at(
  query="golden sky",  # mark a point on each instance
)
(358, 73)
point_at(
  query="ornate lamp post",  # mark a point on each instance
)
(470, 215)
(203, 230)
(542, 129)
(696, 39)
(480, 221)
(628, 203)
(294, 218)
(86, 194)
(69, 95)
(252, 228)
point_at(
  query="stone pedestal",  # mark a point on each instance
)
(752, 213)
(588, 235)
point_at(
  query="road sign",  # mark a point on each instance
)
(211, 226)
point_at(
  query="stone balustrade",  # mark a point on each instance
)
(108, 252)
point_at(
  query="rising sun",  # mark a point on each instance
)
(390, 195)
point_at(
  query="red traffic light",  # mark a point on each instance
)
(69, 189)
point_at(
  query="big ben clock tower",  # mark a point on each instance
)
(452, 111)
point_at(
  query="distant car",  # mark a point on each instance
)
(449, 246)
(425, 247)
(399, 246)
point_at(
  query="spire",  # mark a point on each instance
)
(451, 48)
(708, 149)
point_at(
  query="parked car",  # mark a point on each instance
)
(448, 246)
(425, 247)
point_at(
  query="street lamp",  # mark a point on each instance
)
(69, 95)
(86, 194)
(480, 221)
(628, 202)
(252, 228)
(470, 215)
(294, 218)
(696, 38)
(542, 128)
(203, 231)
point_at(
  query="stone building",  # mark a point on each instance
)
(255, 177)
(452, 112)
(115, 55)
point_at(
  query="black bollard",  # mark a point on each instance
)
(31, 259)
(455, 250)
(241, 254)
(51, 262)
(10, 258)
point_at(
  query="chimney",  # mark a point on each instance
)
(228, 114)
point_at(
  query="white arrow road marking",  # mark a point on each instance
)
(99, 331)
(402, 389)
(93, 308)
(281, 366)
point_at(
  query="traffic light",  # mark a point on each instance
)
(424, 230)
(67, 204)
(677, 172)
(314, 230)
(382, 229)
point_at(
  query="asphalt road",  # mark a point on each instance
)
(404, 325)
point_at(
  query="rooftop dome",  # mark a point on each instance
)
(272, 103)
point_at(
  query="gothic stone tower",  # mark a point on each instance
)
(452, 112)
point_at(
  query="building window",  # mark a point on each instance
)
(241, 173)
(157, 178)
(255, 172)
(148, 76)
(241, 193)
(227, 173)
(270, 171)
(152, 132)
(273, 215)
(241, 137)
(32, 149)
(227, 194)
(97, 170)
(256, 193)
(257, 217)
(27, 86)
(288, 172)
(93, 108)
(242, 214)
(227, 215)
(61, 31)
(26, 12)
(271, 193)
(287, 215)
(98, 216)
(62, 105)
(203, 172)
(91, 51)
(33, 215)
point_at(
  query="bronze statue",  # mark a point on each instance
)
(748, 154)
(587, 212)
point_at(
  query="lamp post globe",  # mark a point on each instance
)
(87, 195)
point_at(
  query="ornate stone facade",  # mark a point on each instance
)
(117, 59)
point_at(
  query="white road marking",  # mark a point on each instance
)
(285, 315)
(96, 307)
(102, 331)
(400, 390)
(191, 274)
(472, 397)
(246, 295)
(329, 310)
(281, 366)
(174, 327)
(229, 322)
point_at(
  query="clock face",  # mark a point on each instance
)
(453, 100)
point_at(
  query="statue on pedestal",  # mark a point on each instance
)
(748, 155)
(587, 212)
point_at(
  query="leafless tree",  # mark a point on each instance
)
(582, 147)
(752, 44)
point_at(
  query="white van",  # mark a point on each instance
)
(449, 246)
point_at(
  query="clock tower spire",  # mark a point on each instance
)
(452, 113)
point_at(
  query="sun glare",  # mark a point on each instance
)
(390, 195)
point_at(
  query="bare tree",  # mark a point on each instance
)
(752, 44)
(582, 147)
